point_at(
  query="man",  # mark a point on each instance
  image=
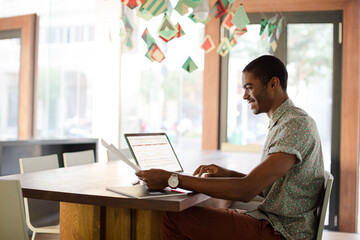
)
(290, 176)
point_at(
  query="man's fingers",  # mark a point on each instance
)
(196, 172)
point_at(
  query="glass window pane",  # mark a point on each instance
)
(9, 87)
(163, 96)
(66, 56)
(243, 127)
(309, 63)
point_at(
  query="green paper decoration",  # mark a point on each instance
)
(144, 14)
(240, 19)
(181, 8)
(148, 39)
(167, 30)
(189, 65)
(224, 47)
(154, 7)
(192, 3)
(263, 25)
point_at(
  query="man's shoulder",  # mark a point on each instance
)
(296, 114)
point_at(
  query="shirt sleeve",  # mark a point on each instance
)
(293, 137)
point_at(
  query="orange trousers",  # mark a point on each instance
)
(201, 223)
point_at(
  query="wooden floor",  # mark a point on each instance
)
(326, 236)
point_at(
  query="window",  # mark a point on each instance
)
(9, 86)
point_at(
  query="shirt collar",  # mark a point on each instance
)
(280, 111)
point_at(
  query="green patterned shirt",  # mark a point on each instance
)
(290, 203)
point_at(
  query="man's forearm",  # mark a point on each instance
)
(224, 188)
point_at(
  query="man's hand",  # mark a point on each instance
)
(155, 179)
(212, 171)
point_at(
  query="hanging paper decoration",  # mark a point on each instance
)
(180, 32)
(128, 42)
(129, 30)
(239, 32)
(263, 25)
(155, 54)
(273, 19)
(167, 30)
(271, 29)
(208, 44)
(224, 47)
(218, 9)
(144, 14)
(132, 3)
(189, 65)
(195, 19)
(155, 7)
(192, 3)
(181, 8)
(227, 4)
(279, 28)
(240, 19)
(122, 30)
(232, 39)
(169, 8)
(272, 45)
(148, 39)
(128, 26)
(227, 21)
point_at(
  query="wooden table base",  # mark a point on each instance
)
(88, 222)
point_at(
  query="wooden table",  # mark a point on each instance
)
(88, 211)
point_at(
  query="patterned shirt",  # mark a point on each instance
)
(290, 203)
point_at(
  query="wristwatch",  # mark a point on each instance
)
(173, 181)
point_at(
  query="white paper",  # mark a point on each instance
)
(117, 152)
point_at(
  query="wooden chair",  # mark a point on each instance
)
(12, 217)
(329, 179)
(78, 158)
(41, 211)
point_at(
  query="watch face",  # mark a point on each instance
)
(173, 181)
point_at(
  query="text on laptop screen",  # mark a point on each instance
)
(154, 151)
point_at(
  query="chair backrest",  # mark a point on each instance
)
(40, 212)
(12, 213)
(34, 164)
(78, 158)
(323, 207)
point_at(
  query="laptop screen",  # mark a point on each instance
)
(153, 150)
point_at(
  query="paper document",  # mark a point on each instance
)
(117, 152)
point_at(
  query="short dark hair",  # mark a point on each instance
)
(266, 67)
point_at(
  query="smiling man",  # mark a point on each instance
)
(290, 176)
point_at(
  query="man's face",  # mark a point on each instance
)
(255, 94)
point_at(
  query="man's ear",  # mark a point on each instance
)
(274, 82)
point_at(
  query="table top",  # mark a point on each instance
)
(86, 184)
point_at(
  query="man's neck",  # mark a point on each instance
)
(277, 102)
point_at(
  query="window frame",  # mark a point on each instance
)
(28, 26)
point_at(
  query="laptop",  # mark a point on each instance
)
(153, 150)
